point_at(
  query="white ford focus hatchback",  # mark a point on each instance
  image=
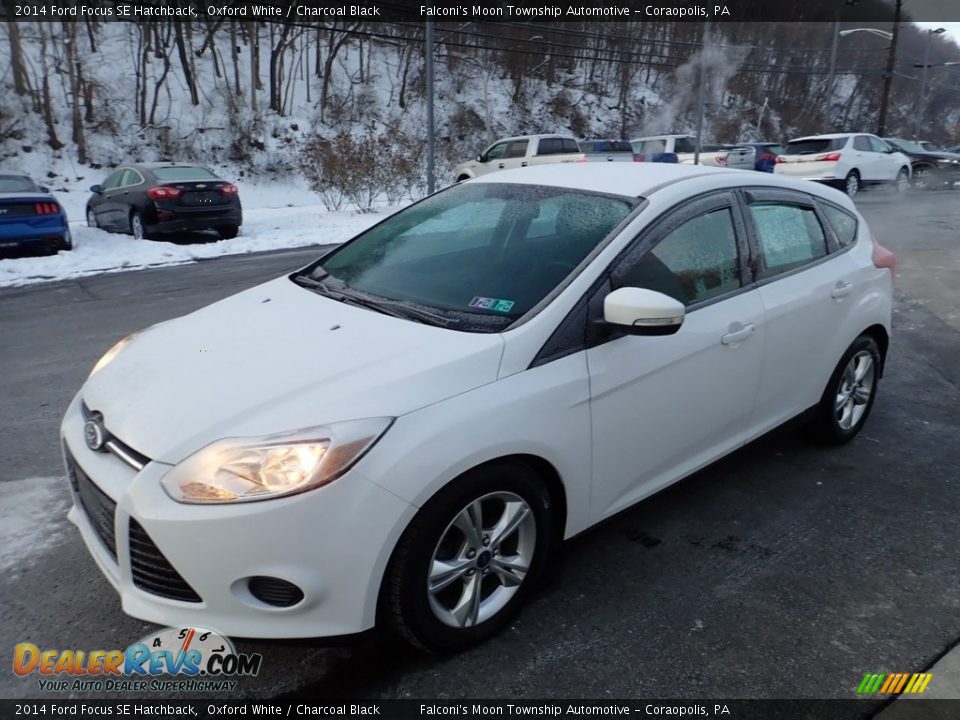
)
(404, 430)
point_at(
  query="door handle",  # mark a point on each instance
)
(500, 166)
(523, 164)
(737, 334)
(841, 290)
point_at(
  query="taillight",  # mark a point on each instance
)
(229, 189)
(829, 157)
(582, 160)
(163, 192)
(46, 208)
(883, 258)
(637, 157)
(779, 159)
(721, 159)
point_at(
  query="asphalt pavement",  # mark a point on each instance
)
(785, 570)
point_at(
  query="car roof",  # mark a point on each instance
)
(661, 137)
(532, 137)
(626, 179)
(645, 179)
(828, 136)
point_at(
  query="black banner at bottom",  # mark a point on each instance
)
(912, 709)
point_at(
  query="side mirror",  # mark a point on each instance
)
(96, 189)
(481, 158)
(44, 188)
(637, 311)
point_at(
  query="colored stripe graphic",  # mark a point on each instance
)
(893, 683)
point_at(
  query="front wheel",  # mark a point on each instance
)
(902, 183)
(469, 558)
(924, 178)
(849, 395)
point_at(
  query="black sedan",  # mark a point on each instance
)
(31, 219)
(150, 199)
(931, 168)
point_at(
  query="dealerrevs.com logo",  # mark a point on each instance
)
(197, 659)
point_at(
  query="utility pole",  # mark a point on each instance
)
(833, 69)
(430, 124)
(702, 98)
(888, 75)
(920, 115)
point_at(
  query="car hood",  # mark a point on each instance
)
(275, 358)
(468, 165)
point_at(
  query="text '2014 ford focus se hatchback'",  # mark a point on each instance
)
(404, 430)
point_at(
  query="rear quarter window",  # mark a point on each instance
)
(843, 223)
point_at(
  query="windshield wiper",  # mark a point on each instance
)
(394, 308)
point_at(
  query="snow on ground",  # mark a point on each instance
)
(32, 519)
(276, 215)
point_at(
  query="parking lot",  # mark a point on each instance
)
(786, 570)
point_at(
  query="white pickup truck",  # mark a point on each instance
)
(521, 151)
(663, 148)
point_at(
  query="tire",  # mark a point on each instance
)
(851, 183)
(902, 182)
(462, 178)
(925, 178)
(446, 533)
(228, 232)
(91, 218)
(138, 228)
(848, 398)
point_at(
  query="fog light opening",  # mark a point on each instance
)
(274, 591)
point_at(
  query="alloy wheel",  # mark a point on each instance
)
(136, 226)
(856, 387)
(481, 560)
(852, 185)
(91, 219)
(903, 181)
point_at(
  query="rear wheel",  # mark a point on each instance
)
(469, 558)
(228, 232)
(851, 185)
(137, 227)
(849, 395)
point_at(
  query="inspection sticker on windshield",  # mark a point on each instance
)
(494, 304)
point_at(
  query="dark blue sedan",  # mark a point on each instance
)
(31, 220)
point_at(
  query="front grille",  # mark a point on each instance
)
(152, 572)
(100, 509)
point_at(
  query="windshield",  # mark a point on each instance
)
(818, 145)
(183, 172)
(17, 183)
(907, 145)
(478, 255)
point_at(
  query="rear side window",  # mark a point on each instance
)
(789, 235)
(651, 146)
(113, 180)
(684, 145)
(861, 142)
(695, 261)
(815, 145)
(549, 146)
(843, 223)
(569, 146)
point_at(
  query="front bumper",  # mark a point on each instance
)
(333, 543)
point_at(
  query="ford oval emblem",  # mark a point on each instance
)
(94, 434)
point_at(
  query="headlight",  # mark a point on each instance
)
(112, 353)
(245, 469)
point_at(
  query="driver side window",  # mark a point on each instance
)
(496, 152)
(693, 262)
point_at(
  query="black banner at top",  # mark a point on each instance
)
(314, 11)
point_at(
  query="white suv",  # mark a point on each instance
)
(847, 161)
